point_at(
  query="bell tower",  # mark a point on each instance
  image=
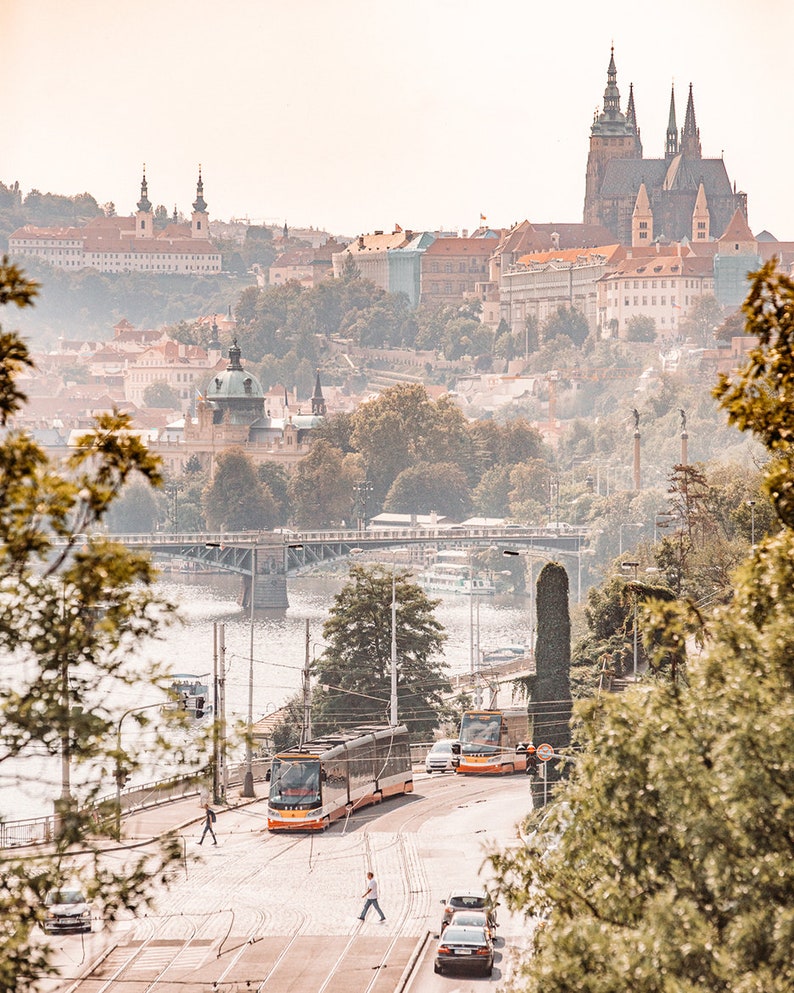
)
(200, 219)
(144, 219)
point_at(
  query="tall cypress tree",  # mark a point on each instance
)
(550, 703)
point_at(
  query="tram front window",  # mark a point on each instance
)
(294, 782)
(480, 729)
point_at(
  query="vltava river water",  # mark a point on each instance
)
(279, 650)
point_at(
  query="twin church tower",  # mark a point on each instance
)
(641, 200)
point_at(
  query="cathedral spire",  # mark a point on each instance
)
(144, 205)
(612, 93)
(690, 135)
(671, 140)
(631, 113)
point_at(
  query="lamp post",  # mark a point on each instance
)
(120, 774)
(751, 505)
(393, 707)
(638, 525)
(634, 566)
(248, 779)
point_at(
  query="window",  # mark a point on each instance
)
(645, 301)
(625, 301)
(653, 301)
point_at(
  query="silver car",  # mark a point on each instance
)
(439, 758)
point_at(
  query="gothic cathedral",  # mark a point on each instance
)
(644, 200)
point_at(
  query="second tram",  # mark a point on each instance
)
(488, 740)
(330, 777)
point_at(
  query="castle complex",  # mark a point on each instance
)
(641, 200)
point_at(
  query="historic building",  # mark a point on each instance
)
(537, 284)
(232, 410)
(682, 195)
(663, 285)
(126, 244)
(454, 268)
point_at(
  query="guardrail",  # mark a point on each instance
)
(42, 830)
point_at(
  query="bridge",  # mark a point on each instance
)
(264, 559)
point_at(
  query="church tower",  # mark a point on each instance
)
(690, 135)
(200, 219)
(318, 400)
(700, 216)
(144, 219)
(642, 220)
(613, 135)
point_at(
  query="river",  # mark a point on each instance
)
(279, 650)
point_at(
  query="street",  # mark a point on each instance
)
(279, 912)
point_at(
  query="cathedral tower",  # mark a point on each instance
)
(613, 135)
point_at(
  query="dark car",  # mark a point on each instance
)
(465, 948)
(469, 899)
(66, 910)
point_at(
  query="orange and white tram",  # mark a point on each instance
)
(330, 777)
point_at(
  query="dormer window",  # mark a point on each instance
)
(247, 386)
(217, 383)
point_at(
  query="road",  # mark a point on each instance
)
(279, 912)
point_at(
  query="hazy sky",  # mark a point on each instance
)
(355, 115)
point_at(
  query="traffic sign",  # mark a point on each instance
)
(544, 752)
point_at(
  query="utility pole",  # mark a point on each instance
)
(306, 730)
(634, 566)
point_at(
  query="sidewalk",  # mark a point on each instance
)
(186, 817)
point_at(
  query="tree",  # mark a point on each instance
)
(74, 608)
(135, 512)
(568, 322)
(641, 327)
(704, 318)
(761, 395)
(235, 500)
(672, 868)
(429, 487)
(356, 665)
(550, 687)
(161, 394)
(403, 427)
(321, 487)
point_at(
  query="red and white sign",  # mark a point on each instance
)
(544, 752)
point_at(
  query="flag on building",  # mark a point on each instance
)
(483, 218)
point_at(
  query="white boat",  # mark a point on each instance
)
(189, 696)
(449, 576)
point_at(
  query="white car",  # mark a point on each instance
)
(66, 910)
(439, 758)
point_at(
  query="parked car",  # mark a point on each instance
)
(465, 948)
(439, 758)
(469, 899)
(66, 910)
(473, 918)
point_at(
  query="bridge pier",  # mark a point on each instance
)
(270, 591)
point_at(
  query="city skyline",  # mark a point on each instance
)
(365, 115)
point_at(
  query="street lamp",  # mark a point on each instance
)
(511, 552)
(620, 533)
(393, 708)
(248, 778)
(634, 566)
(751, 505)
(119, 771)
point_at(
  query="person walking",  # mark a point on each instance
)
(209, 820)
(371, 898)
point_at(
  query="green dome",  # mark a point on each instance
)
(235, 382)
